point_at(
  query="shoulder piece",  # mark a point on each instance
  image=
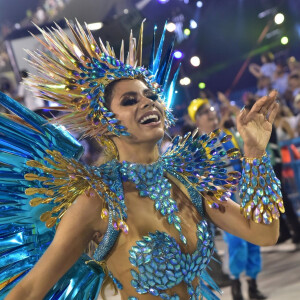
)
(59, 181)
(200, 162)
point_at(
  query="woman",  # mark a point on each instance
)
(155, 201)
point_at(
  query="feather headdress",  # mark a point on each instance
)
(77, 70)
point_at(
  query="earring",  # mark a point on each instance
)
(110, 149)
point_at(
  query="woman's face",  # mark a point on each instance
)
(135, 105)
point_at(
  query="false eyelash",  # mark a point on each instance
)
(128, 101)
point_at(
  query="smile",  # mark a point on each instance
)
(152, 117)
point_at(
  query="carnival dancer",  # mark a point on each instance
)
(148, 213)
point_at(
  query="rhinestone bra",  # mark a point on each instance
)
(162, 265)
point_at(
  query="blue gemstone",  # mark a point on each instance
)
(255, 199)
(275, 187)
(254, 181)
(165, 296)
(256, 162)
(265, 200)
(262, 169)
(262, 181)
(254, 171)
(268, 179)
(151, 283)
(134, 283)
(133, 261)
(141, 290)
(247, 167)
(250, 191)
(143, 278)
(134, 274)
(259, 192)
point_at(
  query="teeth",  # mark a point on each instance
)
(155, 117)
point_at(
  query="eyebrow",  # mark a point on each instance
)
(132, 93)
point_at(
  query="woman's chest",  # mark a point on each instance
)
(174, 214)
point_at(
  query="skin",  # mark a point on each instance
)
(81, 223)
(281, 122)
(294, 83)
(208, 120)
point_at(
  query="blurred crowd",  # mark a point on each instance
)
(283, 76)
(45, 12)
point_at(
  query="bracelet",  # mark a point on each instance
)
(251, 160)
(260, 190)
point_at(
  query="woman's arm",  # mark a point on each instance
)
(254, 69)
(74, 232)
(287, 128)
(232, 108)
(230, 219)
(254, 126)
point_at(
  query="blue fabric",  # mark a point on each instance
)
(23, 237)
(243, 256)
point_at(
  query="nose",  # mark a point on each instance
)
(146, 102)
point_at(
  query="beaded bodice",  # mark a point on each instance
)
(157, 260)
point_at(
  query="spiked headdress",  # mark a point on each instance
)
(77, 72)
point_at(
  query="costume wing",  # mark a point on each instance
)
(39, 165)
(201, 162)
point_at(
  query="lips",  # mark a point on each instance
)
(150, 117)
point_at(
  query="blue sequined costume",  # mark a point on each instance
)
(31, 145)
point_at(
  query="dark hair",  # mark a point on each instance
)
(109, 89)
(294, 76)
(187, 127)
(269, 56)
(250, 104)
(229, 124)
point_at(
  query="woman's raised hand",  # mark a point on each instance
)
(255, 125)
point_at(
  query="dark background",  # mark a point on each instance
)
(226, 35)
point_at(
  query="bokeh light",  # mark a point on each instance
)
(195, 61)
(178, 54)
(284, 40)
(186, 31)
(185, 81)
(199, 4)
(193, 24)
(171, 27)
(201, 85)
(95, 26)
(279, 18)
